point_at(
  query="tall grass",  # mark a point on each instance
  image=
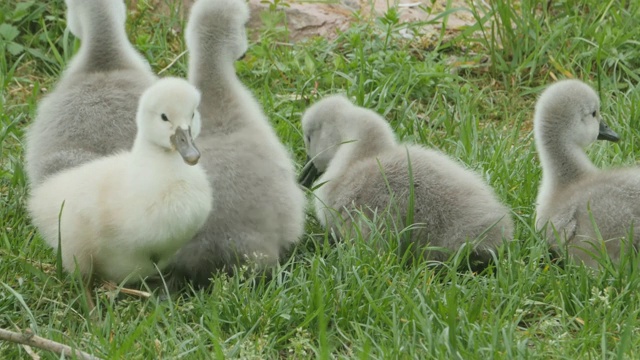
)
(350, 300)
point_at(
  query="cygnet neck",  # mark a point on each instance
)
(153, 170)
(152, 155)
(214, 74)
(563, 162)
(105, 46)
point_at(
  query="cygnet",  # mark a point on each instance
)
(358, 168)
(578, 203)
(118, 217)
(258, 211)
(91, 111)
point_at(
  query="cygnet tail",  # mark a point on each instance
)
(100, 24)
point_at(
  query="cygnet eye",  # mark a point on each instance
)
(594, 113)
(164, 117)
(193, 115)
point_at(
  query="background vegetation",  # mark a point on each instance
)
(470, 93)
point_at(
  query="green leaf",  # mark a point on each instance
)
(15, 48)
(23, 6)
(39, 54)
(21, 10)
(8, 32)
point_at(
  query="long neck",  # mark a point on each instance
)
(105, 46)
(563, 162)
(214, 74)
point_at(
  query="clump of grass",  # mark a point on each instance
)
(351, 300)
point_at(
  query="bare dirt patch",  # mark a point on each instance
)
(306, 19)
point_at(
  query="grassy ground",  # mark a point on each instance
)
(470, 95)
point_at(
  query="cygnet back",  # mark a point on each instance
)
(364, 169)
(91, 111)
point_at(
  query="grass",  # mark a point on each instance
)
(470, 95)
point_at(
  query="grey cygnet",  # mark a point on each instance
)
(574, 194)
(258, 207)
(361, 167)
(91, 111)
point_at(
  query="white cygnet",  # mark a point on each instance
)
(118, 217)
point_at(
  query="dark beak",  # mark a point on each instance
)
(242, 56)
(309, 174)
(606, 133)
(183, 142)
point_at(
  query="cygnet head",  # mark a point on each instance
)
(219, 25)
(569, 110)
(168, 117)
(79, 9)
(333, 122)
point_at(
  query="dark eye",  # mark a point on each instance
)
(164, 117)
(308, 139)
(193, 115)
(593, 114)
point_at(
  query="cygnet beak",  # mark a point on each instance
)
(606, 133)
(309, 174)
(183, 142)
